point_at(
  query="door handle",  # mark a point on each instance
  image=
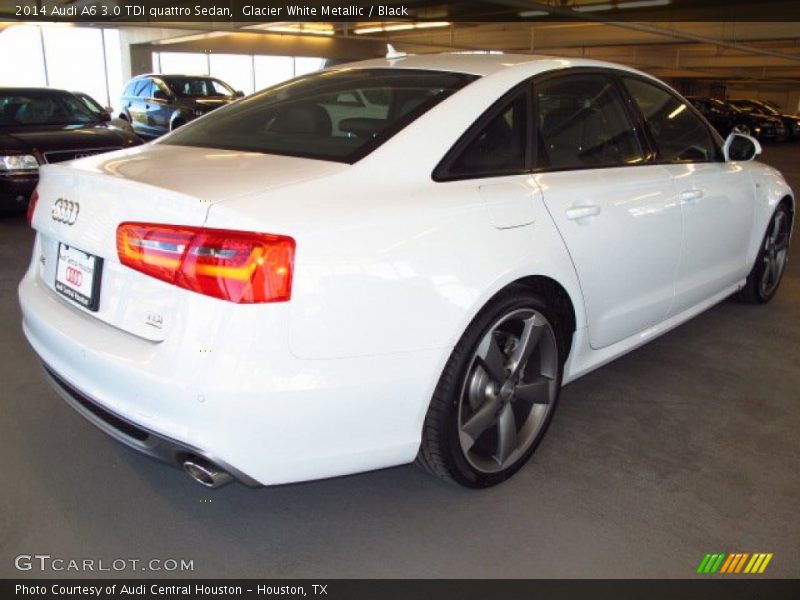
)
(581, 212)
(690, 196)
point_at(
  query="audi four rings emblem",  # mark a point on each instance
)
(65, 211)
(74, 276)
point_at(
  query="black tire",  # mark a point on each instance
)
(755, 291)
(441, 451)
(176, 123)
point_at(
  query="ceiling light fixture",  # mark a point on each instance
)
(400, 27)
(302, 28)
(592, 7)
(643, 3)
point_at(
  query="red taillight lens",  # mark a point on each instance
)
(32, 205)
(241, 267)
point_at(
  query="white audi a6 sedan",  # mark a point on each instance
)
(300, 286)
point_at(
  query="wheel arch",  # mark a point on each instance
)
(562, 304)
(789, 201)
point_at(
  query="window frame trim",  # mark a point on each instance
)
(625, 98)
(642, 131)
(441, 172)
(658, 158)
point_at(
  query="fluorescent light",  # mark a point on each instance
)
(400, 27)
(533, 13)
(429, 24)
(299, 28)
(365, 30)
(677, 111)
(592, 7)
(643, 3)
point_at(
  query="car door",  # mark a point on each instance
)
(159, 107)
(716, 197)
(615, 210)
(136, 106)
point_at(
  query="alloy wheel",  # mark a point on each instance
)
(509, 390)
(775, 253)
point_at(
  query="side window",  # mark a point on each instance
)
(142, 89)
(161, 87)
(498, 147)
(677, 131)
(582, 123)
(130, 89)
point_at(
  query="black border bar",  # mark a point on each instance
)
(404, 589)
(360, 11)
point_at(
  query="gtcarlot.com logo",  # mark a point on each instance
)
(734, 563)
(46, 562)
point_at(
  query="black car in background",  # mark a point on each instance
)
(39, 126)
(716, 112)
(725, 117)
(791, 122)
(157, 104)
(104, 114)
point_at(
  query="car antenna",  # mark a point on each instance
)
(392, 52)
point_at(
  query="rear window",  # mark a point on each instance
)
(323, 115)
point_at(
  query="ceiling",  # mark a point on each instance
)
(715, 40)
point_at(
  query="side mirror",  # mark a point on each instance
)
(160, 95)
(105, 116)
(238, 94)
(740, 147)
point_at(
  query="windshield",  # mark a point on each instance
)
(29, 108)
(91, 104)
(324, 115)
(751, 107)
(198, 87)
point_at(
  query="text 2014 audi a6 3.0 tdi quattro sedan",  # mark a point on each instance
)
(288, 289)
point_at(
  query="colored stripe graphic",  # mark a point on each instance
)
(727, 564)
(703, 563)
(765, 563)
(735, 562)
(718, 563)
(741, 562)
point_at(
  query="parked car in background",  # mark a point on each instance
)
(39, 126)
(157, 104)
(725, 116)
(752, 121)
(716, 112)
(258, 296)
(790, 121)
(103, 114)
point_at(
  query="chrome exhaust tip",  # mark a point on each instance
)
(206, 473)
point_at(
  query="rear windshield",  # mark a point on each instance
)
(331, 115)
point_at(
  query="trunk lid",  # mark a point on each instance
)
(82, 203)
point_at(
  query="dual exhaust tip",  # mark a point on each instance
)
(206, 473)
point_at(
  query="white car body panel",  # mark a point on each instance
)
(390, 269)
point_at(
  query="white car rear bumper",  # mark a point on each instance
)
(262, 414)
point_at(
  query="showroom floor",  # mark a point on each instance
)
(687, 446)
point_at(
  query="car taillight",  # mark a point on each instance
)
(241, 267)
(32, 205)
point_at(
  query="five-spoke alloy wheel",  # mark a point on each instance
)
(497, 394)
(765, 277)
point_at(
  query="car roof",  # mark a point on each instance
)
(481, 64)
(26, 90)
(143, 75)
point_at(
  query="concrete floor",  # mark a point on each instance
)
(687, 446)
